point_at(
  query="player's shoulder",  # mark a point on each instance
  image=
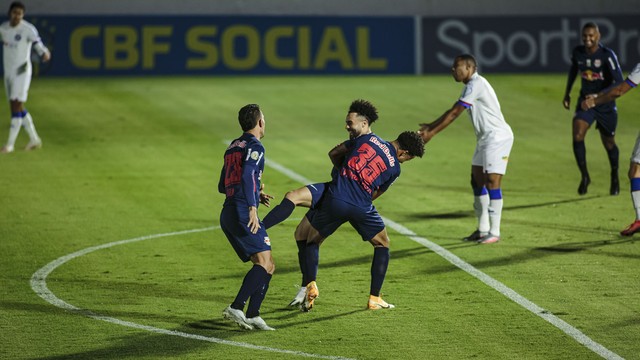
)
(4, 25)
(607, 51)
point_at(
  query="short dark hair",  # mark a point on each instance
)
(468, 58)
(248, 116)
(590, 25)
(16, 4)
(364, 108)
(412, 142)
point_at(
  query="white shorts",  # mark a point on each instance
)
(493, 156)
(635, 155)
(17, 86)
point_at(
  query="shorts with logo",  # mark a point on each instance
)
(493, 155)
(233, 221)
(335, 212)
(606, 116)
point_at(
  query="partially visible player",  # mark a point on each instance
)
(240, 180)
(369, 169)
(18, 36)
(634, 167)
(598, 68)
(360, 116)
(494, 142)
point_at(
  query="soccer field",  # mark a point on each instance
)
(111, 247)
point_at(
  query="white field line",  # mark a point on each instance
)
(39, 285)
(495, 284)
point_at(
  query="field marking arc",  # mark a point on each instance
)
(39, 286)
(568, 329)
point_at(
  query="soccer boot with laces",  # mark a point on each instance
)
(310, 295)
(584, 185)
(258, 323)
(631, 229)
(237, 316)
(475, 236)
(615, 184)
(299, 299)
(489, 239)
(376, 303)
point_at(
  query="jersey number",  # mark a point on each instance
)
(368, 164)
(233, 166)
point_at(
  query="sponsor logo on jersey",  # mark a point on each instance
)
(255, 155)
(597, 63)
(18, 37)
(267, 241)
(592, 76)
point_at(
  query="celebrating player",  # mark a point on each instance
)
(494, 142)
(598, 67)
(371, 166)
(18, 36)
(240, 181)
(634, 167)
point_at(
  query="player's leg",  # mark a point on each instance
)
(265, 269)
(580, 127)
(22, 84)
(301, 234)
(607, 124)
(298, 197)
(311, 261)
(634, 178)
(480, 199)
(16, 117)
(379, 266)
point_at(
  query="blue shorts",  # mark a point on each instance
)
(317, 191)
(233, 221)
(605, 115)
(335, 212)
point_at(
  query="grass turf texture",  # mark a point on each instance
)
(129, 157)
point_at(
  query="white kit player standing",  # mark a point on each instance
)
(494, 142)
(18, 36)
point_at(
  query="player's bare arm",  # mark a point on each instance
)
(265, 199)
(430, 130)
(337, 154)
(605, 97)
(254, 223)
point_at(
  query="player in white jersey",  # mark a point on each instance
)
(604, 97)
(18, 36)
(494, 142)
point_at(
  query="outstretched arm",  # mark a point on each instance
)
(571, 77)
(427, 131)
(605, 97)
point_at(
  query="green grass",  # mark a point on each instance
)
(130, 157)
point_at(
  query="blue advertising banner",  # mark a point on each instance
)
(522, 44)
(215, 45)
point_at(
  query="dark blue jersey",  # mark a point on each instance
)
(372, 165)
(242, 171)
(598, 71)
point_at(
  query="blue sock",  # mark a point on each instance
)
(279, 213)
(379, 267)
(635, 184)
(302, 245)
(312, 258)
(257, 297)
(495, 194)
(253, 280)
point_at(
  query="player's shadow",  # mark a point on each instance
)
(467, 213)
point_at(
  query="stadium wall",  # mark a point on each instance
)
(158, 37)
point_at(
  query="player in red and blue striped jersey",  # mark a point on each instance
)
(598, 68)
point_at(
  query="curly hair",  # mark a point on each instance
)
(364, 108)
(412, 142)
(248, 116)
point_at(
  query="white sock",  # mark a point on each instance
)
(27, 122)
(13, 131)
(635, 198)
(481, 207)
(495, 213)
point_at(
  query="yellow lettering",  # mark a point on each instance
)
(229, 56)
(333, 46)
(304, 47)
(196, 44)
(120, 40)
(271, 47)
(364, 50)
(76, 46)
(151, 47)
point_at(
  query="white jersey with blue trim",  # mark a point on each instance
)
(634, 77)
(484, 110)
(17, 41)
